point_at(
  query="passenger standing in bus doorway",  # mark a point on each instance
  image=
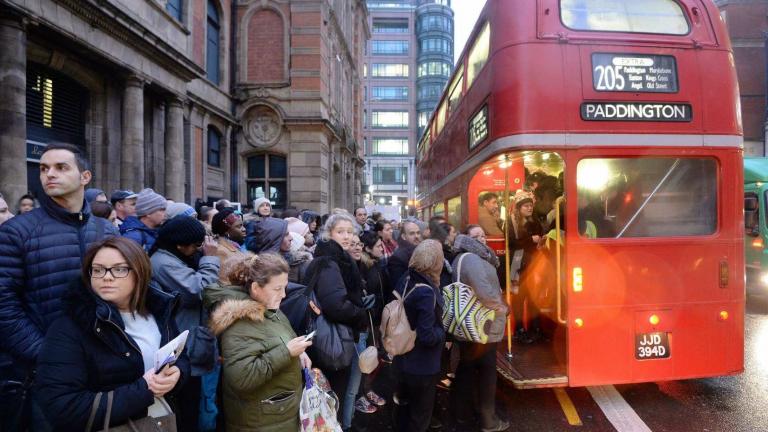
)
(488, 215)
(526, 235)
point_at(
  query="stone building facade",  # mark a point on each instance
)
(187, 96)
(747, 23)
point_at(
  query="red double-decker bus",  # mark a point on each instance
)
(622, 119)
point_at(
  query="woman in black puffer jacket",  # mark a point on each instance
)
(106, 342)
(338, 287)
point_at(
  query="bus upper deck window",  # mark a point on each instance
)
(633, 16)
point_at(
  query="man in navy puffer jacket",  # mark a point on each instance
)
(40, 258)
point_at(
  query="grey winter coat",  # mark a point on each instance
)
(174, 276)
(478, 270)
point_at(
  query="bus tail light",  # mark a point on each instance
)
(757, 243)
(723, 315)
(578, 279)
(654, 320)
(723, 274)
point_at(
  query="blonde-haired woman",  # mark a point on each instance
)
(526, 234)
(263, 358)
(420, 368)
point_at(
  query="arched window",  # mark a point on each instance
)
(212, 43)
(214, 147)
(173, 7)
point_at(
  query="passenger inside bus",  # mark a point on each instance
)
(488, 215)
(526, 235)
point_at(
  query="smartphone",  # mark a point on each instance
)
(309, 336)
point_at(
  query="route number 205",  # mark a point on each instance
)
(609, 77)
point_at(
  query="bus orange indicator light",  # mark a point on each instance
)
(724, 275)
(654, 320)
(757, 243)
(578, 279)
(579, 322)
(723, 315)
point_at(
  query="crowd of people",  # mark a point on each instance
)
(91, 286)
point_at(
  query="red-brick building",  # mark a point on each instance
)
(199, 99)
(747, 22)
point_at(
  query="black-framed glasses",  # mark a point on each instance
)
(116, 272)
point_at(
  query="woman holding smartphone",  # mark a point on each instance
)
(106, 341)
(263, 358)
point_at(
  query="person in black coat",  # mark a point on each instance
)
(338, 287)
(420, 368)
(397, 264)
(106, 342)
(526, 235)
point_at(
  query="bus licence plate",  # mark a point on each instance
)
(651, 345)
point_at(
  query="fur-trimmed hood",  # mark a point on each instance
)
(231, 311)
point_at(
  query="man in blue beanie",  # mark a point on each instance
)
(150, 215)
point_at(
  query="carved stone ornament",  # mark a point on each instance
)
(262, 126)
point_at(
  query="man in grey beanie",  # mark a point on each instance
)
(150, 215)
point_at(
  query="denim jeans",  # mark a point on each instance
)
(353, 386)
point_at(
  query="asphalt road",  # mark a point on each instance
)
(738, 403)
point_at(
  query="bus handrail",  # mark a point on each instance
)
(558, 242)
(650, 196)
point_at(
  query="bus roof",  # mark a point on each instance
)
(755, 169)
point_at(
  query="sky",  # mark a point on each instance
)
(465, 15)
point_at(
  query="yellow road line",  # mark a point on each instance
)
(568, 408)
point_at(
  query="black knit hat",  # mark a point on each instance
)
(219, 224)
(182, 230)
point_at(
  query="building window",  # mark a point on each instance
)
(424, 118)
(430, 91)
(390, 175)
(389, 70)
(390, 146)
(390, 94)
(478, 56)
(214, 147)
(390, 47)
(389, 119)
(436, 45)
(173, 7)
(434, 69)
(268, 177)
(390, 26)
(435, 22)
(212, 43)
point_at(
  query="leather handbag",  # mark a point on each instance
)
(368, 359)
(166, 423)
(464, 316)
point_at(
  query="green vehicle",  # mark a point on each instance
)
(756, 223)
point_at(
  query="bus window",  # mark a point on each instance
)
(454, 212)
(438, 210)
(478, 56)
(647, 197)
(647, 16)
(455, 91)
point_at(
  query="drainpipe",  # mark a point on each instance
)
(234, 161)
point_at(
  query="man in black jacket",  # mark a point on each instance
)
(410, 237)
(40, 257)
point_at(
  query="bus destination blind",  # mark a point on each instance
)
(634, 73)
(633, 111)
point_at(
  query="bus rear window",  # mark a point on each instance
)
(633, 16)
(647, 197)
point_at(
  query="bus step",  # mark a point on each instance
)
(532, 366)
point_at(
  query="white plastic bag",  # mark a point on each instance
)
(318, 407)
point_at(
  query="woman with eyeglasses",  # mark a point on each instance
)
(113, 323)
(184, 261)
